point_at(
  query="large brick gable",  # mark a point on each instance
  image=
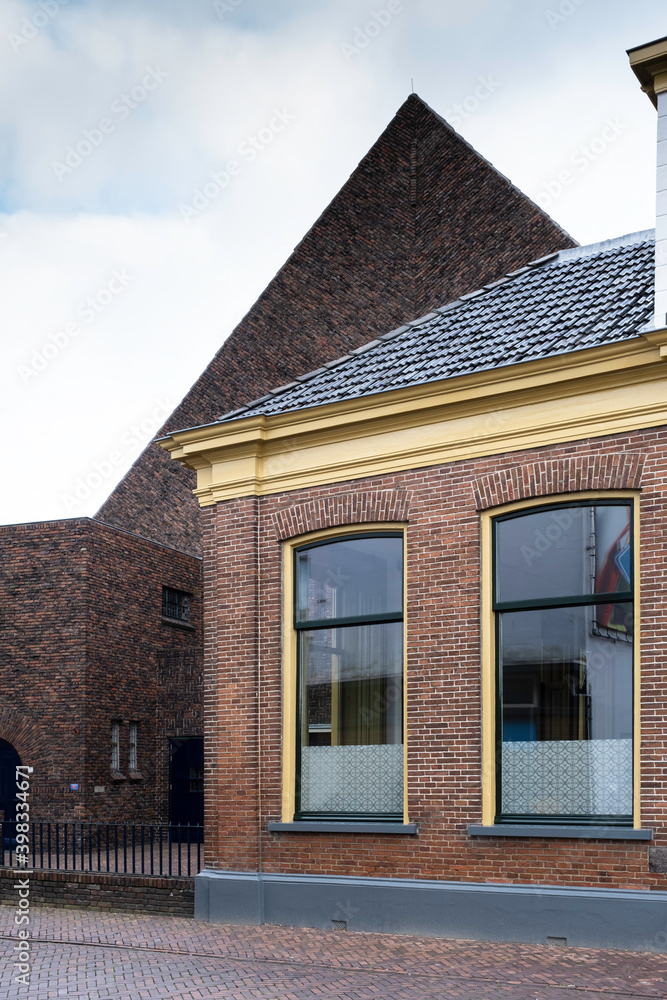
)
(422, 220)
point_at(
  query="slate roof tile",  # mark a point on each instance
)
(562, 303)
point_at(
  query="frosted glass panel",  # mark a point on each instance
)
(567, 777)
(352, 779)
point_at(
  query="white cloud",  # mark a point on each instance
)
(60, 240)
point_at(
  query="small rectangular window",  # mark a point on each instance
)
(115, 745)
(196, 779)
(134, 730)
(176, 604)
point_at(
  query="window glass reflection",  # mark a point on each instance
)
(352, 685)
(350, 578)
(566, 711)
(564, 552)
(351, 757)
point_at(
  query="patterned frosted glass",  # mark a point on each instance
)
(571, 778)
(352, 779)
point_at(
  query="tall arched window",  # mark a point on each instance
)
(348, 616)
(563, 606)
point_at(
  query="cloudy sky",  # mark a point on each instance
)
(123, 266)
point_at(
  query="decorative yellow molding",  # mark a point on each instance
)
(604, 390)
(649, 63)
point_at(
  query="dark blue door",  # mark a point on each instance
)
(186, 780)
(9, 760)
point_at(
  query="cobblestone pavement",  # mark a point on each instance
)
(110, 956)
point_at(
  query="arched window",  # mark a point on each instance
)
(9, 761)
(348, 618)
(563, 609)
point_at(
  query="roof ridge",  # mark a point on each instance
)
(590, 249)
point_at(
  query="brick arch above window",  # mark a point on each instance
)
(565, 475)
(368, 507)
(29, 741)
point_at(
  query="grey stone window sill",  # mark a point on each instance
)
(135, 776)
(333, 826)
(178, 623)
(556, 830)
(118, 776)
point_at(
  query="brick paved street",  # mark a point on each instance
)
(103, 956)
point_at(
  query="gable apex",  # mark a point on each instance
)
(394, 243)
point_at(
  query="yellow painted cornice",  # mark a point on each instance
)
(604, 390)
(649, 63)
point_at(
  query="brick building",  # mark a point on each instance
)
(100, 686)
(434, 602)
(89, 657)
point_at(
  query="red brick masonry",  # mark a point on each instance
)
(243, 669)
(132, 893)
(84, 642)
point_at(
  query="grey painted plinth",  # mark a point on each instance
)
(591, 918)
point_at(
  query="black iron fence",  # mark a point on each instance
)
(114, 848)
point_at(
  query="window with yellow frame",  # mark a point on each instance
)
(345, 713)
(560, 663)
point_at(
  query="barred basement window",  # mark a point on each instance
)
(134, 730)
(176, 604)
(115, 745)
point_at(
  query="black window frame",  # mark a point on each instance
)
(181, 600)
(331, 623)
(586, 600)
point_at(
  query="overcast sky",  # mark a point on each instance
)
(118, 282)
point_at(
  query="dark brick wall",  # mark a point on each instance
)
(127, 893)
(43, 586)
(444, 676)
(83, 642)
(423, 219)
